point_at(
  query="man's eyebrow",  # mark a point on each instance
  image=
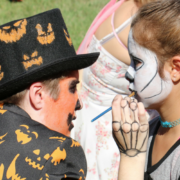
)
(74, 82)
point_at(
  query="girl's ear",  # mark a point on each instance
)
(175, 68)
(36, 95)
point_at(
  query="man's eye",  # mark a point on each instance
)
(137, 63)
(73, 89)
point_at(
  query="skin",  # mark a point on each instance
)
(129, 120)
(62, 110)
(57, 114)
(166, 91)
(146, 81)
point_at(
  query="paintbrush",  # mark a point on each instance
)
(107, 110)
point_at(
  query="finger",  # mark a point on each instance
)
(134, 110)
(144, 128)
(117, 121)
(125, 112)
(128, 99)
(126, 123)
(135, 122)
(116, 108)
(142, 114)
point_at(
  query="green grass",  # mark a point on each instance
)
(78, 14)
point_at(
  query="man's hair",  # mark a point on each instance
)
(157, 28)
(51, 86)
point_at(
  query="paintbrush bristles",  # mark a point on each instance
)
(132, 94)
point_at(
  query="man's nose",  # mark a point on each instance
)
(129, 77)
(79, 104)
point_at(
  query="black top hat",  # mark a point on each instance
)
(34, 49)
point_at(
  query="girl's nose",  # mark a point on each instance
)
(129, 77)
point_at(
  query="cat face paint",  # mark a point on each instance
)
(61, 112)
(144, 77)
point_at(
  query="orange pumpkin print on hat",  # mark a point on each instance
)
(10, 34)
(68, 37)
(1, 74)
(45, 37)
(34, 59)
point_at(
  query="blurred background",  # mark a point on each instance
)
(78, 14)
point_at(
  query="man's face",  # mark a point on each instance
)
(61, 112)
(144, 77)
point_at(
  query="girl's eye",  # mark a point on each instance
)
(137, 63)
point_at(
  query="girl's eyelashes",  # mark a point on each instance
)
(138, 63)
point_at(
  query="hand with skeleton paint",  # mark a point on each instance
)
(130, 126)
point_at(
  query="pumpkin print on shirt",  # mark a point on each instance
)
(2, 138)
(34, 59)
(11, 172)
(24, 135)
(45, 37)
(10, 34)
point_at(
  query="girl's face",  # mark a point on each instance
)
(144, 77)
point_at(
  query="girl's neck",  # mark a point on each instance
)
(169, 109)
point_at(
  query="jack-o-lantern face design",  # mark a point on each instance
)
(56, 156)
(1, 138)
(68, 37)
(45, 37)
(46, 176)
(82, 177)
(2, 111)
(75, 143)
(10, 34)
(33, 60)
(1, 74)
(34, 164)
(11, 172)
(25, 137)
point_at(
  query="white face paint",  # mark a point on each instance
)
(144, 77)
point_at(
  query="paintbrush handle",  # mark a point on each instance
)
(107, 110)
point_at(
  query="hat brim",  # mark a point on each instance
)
(47, 71)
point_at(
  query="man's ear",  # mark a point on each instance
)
(36, 95)
(175, 68)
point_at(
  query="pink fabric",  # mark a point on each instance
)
(112, 24)
(104, 14)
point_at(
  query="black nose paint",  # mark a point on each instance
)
(129, 77)
(78, 105)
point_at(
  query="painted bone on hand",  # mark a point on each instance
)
(130, 126)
